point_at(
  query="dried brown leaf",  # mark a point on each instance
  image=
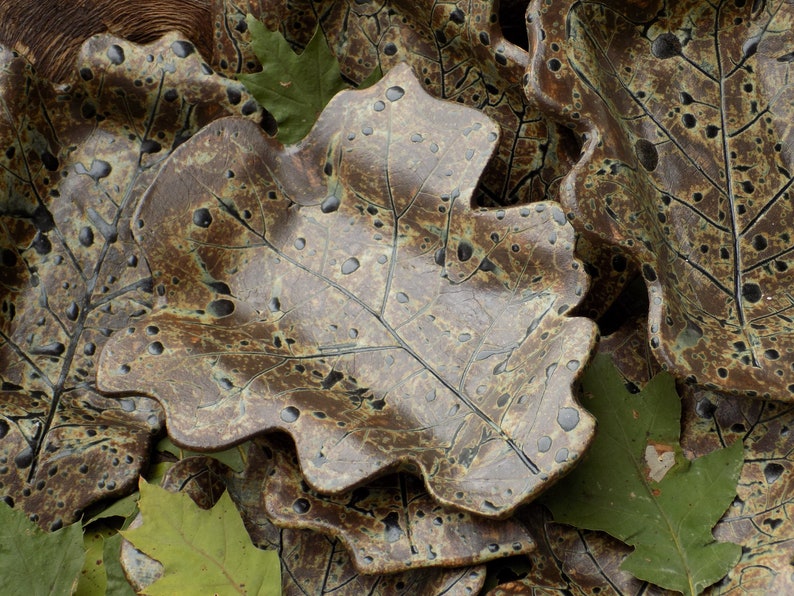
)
(313, 563)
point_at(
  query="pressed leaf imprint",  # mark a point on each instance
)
(688, 168)
(74, 159)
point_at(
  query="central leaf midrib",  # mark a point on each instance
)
(86, 308)
(737, 255)
(727, 191)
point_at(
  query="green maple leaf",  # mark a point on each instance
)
(293, 87)
(33, 561)
(636, 484)
(202, 551)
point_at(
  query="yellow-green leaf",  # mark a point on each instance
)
(34, 562)
(202, 551)
(117, 584)
(93, 578)
(234, 457)
(630, 487)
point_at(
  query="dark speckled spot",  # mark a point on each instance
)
(647, 154)
(42, 244)
(465, 251)
(183, 49)
(54, 348)
(234, 96)
(219, 287)
(568, 418)
(665, 46)
(290, 414)
(220, 308)
(301, 506)
(249, 107)
(202, 217)
(50, 161)
(330, 204)
(72, 311)
(705, 408)
(99, 169)
(115, 54)
(648, 272)
(392, 531)
(751, 292)
(150, 146)
(350, 265)
(24, 458)
(771, 354)
(88, 110)
(772, 472)
(331, 379)
(394, 93)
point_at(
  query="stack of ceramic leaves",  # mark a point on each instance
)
(378, 272)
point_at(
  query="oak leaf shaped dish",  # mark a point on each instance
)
(687, 167)
(74, 159)
(344, 291)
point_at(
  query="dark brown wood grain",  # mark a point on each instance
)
(49, 33)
